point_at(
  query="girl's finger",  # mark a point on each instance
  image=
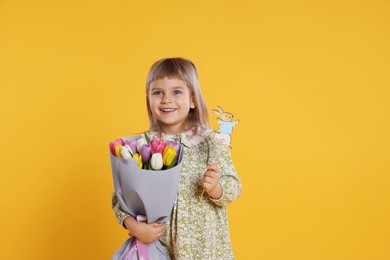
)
(213, 175)
(160, 230)
(205, 179)
(209, 180)
(207, 173)
(211, 172)
(212, 167)
(206, 186)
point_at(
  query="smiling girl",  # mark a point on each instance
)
(198, 226)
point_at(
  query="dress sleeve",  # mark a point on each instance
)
(230, 183)
(120, 214)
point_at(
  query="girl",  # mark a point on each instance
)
(198, 225)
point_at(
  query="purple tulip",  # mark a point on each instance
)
(133, 145)
(140, 142)
(146, 152)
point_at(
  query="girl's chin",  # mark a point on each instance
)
(171, 129)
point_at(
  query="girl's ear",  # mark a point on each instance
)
(192, 105)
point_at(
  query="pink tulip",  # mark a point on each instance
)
(114, 144)
(158, 146)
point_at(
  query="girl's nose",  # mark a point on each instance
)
(165, 99)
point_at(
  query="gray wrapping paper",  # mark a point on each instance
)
(147, 193)
(155, 250)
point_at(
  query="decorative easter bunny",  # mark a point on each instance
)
(225, 119)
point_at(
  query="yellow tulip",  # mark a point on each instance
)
(118, 150)
(138, 158)
(169, 155)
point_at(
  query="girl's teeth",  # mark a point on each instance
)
(168, 110)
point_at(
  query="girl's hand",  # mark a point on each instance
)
(210, 182)
(144, 232)
(149, 232)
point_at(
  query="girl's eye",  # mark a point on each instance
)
(157, 93)
(177, 92)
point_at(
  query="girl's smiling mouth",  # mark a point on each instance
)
(167, 110)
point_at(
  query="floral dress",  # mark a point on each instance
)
(198, 226)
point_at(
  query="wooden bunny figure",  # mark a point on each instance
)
(225, 119)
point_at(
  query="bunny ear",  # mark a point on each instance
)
(220, 109)
(218, 113)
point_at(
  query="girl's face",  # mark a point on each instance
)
(170, 101)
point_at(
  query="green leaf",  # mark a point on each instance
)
(173, 162)
(147, 138)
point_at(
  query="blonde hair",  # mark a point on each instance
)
(183, 69)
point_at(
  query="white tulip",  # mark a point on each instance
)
(157, 161)
(126, 152)
(140, 142)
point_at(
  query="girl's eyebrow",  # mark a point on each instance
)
(159, 88)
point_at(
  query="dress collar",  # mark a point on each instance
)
(188, 138)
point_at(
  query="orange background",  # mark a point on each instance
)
(309, 81)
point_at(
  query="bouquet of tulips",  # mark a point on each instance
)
(146, 175)
(150, 153)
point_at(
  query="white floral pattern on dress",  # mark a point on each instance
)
(198, 226)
